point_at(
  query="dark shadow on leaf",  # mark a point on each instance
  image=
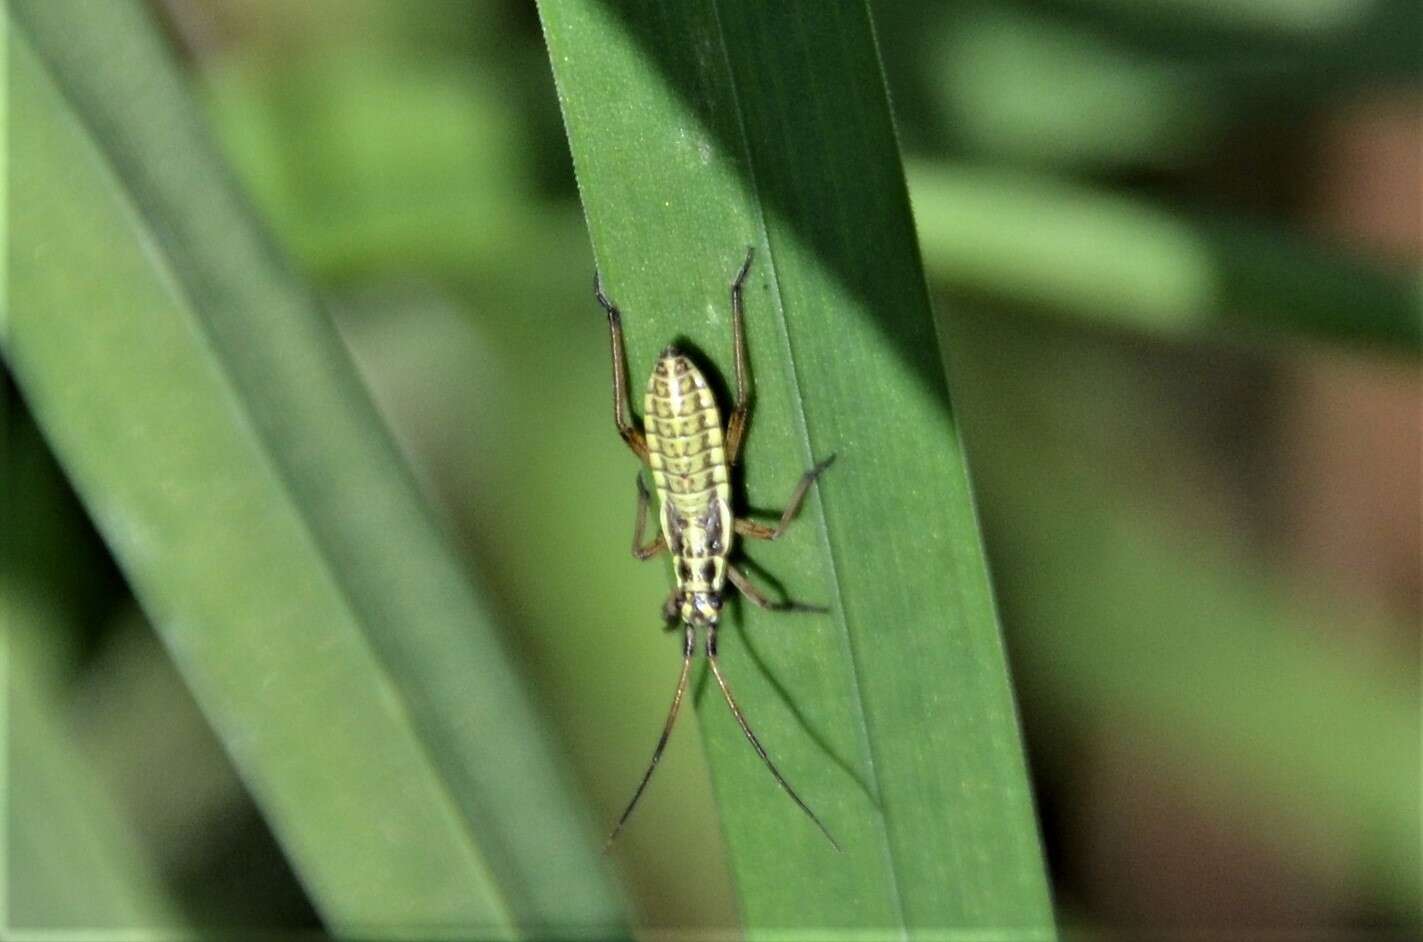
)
(769, 80)
(754, 655)
(821, 742)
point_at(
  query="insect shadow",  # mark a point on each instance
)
(753, 653)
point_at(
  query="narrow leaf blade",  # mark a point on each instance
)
(699, 131)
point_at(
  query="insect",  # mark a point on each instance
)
(691, 455)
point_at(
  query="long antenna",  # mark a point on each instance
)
(756, 743)
(662, 742)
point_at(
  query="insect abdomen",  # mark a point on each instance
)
(688, 459)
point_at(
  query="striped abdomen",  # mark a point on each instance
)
(688, 459)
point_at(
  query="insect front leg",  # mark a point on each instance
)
(736, 424)
(621, 410)
(659, 543)
(759, 531)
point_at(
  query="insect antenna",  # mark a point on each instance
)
(662, 741)
(756, 743)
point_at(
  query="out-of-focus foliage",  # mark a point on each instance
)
(1073, 251)
(1241, 665)
(209, 418)
(1198, 475)
(73, 859)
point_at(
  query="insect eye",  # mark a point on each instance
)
(715, 601)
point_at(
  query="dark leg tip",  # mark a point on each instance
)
(745, 266)
(603, 300)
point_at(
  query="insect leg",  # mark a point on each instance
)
(672, 609)
(659, 543)
(758, 598)
(621, 410)
(759, 531)
(736, 424)
(751, 737)
(687, 648)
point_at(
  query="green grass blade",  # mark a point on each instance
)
(699, 129)
(1088, 255)
(211, 421)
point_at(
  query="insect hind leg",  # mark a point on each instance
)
(758, 598)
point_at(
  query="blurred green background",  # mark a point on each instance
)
(1175, 251)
